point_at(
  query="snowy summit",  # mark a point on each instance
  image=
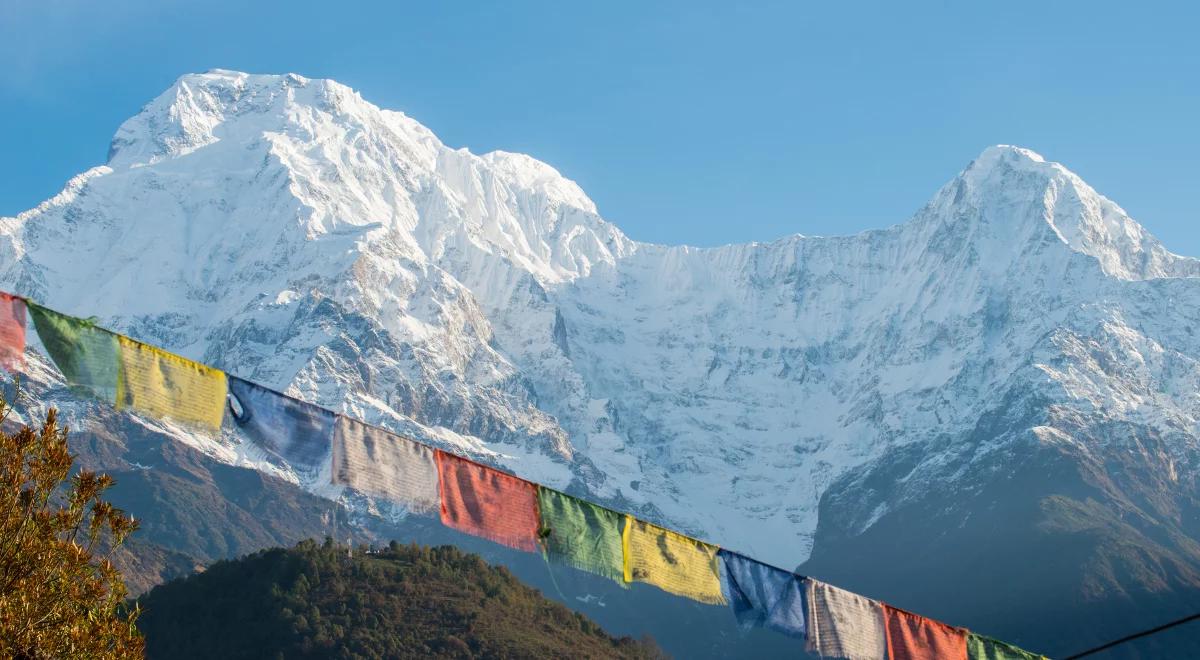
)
(289, 232)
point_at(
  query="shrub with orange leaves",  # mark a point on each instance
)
(60, 596)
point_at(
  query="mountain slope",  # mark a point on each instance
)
(194, 510)
(798, 400)
(404, 602)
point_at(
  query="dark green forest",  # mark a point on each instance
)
(320, 601)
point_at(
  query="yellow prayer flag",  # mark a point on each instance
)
(162, 384)
(672, 562)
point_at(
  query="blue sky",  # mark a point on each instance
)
(687, 122)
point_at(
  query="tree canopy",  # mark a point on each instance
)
(315, 601)
(60, 595)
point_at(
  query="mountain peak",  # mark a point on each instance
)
(1010, 152)
(998, 161)
(198, 107)
(1016, 192)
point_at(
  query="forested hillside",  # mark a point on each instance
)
(317, 601)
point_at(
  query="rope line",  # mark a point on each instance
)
(1138, 635)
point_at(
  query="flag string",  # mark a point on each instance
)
(479, 499)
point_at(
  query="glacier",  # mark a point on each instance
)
(289, 232)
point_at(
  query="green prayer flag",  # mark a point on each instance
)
(581, 534)
(986, 648)
(87, 355)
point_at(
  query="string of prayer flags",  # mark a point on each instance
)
(762, 595)
(842, 624)
(163, 384)
(483, 502)
(87, 356)
(986, 648)
(671, 561)
(580, 534)
(382, 464)
(913, 637)
(12, 333)
(297, 433)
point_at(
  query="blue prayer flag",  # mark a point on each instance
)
(763, 595)
(299, 433)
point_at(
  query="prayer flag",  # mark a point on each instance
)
(843, 624)
(163, 384)
(298, 433)
(484, 502)
(581, 534)
(12, 333)
(763, 595)
(913, 637)
(672, 562)
(382, 464)
(86, 355)
(986, 648)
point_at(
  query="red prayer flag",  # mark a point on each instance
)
(484, 502)
(12, 332)
(913, 637)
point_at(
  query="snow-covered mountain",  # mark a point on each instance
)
(289, 232)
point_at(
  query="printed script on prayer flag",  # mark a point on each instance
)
(986, 648)
(381, 464)
(485, 502)
(842, 624)
(913, 637)
(165, 385)
(671, 561)
(763, 595)
(297, 433)
(581, 534)
(86, 355)
(12, 333)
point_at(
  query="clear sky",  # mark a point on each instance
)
(687, 122)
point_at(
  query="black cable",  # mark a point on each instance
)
(1144, 633)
